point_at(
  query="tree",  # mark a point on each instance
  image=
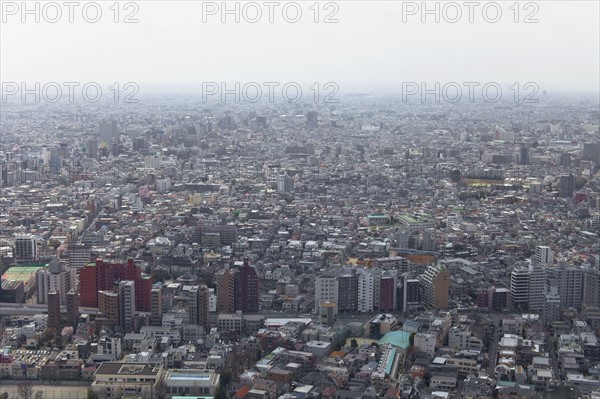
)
(39, 395)
(91, 394)
(354, 343)
(226, 376)
(25, 390)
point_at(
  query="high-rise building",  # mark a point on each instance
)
(248, 289)
(524, 155)
(108, 131)
(285, 184)
(108, 305)
(410, 294)
(387, 292)
(312, 119)
(326, 289)
(100, 276)
(348, 292)
(591, 152)
(365, 291)
(26, 248)
(156, 305)
(198, 306)
(54, 278)
(591, 297)
(543, 255)
(569, 282)
(519, 288)
(126, 290)
(537, 287)
(79, 255)
(566, 186)
(72, 307)
(54, 316)
(551, 311)
(226, 291)
(436, 284)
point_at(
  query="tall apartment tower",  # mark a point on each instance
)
(72, 307)
(126, 290)
(436, 283)
(226, 291)
(543, 255)
(365, 291)
(519, 288)
(54, 317)
(54, 278)
(198, 306)
(348, 292)
(108, 305)
(537, 287)
(326, 289)
(248, 289)
(156, 306)
(591, 297)
(569, 282)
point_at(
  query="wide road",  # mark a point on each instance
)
(12, 309)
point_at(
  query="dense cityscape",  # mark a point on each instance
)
(372, 248)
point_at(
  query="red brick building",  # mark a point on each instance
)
(103, 275)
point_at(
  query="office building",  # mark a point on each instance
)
(54, 278)
(387, 292)
(566, 186)
(410, 294)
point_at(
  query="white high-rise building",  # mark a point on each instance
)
(54, 278)
(543, 255)
(326, 289)
(537, 287)
(26, 247)
(551, 306)
(365, 291)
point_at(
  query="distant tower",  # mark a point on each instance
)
(198, 306)
(566, 186)
(54, 311)
(524, 156)
(312, 119)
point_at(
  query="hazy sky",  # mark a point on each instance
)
(370, 45)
